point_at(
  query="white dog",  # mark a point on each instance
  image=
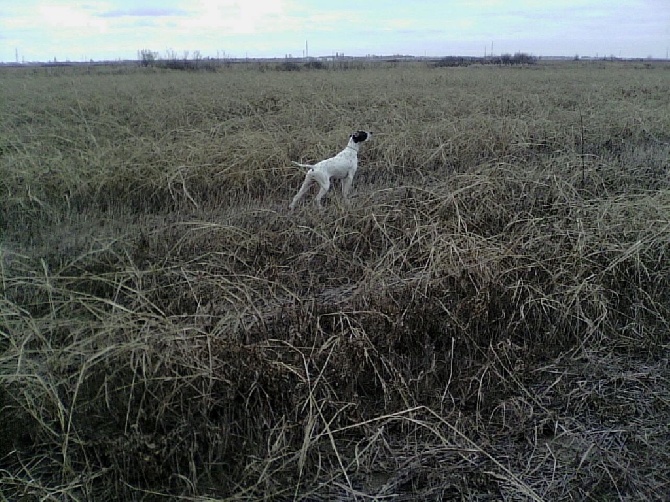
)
(343, 166)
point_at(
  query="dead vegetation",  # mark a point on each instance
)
(487, 321)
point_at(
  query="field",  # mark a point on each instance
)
(487, 320)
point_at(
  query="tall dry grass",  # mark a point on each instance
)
(487, 320)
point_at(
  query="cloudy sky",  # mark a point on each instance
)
(39, 30)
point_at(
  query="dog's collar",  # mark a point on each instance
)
(354, 149)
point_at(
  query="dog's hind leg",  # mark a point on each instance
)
(303, 190)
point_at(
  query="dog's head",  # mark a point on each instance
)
(361, 136)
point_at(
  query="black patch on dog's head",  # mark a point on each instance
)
(359, 136)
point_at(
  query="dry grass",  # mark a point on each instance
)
(488, 320)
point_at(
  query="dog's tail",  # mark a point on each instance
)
(305, 166)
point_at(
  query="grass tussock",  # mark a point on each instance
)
(486, 320)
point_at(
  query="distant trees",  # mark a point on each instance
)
(454, 61)
(147, 57)
(194, 61)
(172, 61)
(519, 58)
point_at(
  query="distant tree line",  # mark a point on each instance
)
(195, 62)
(519, 58)
(148, 58)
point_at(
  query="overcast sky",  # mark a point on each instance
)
(39, 30)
